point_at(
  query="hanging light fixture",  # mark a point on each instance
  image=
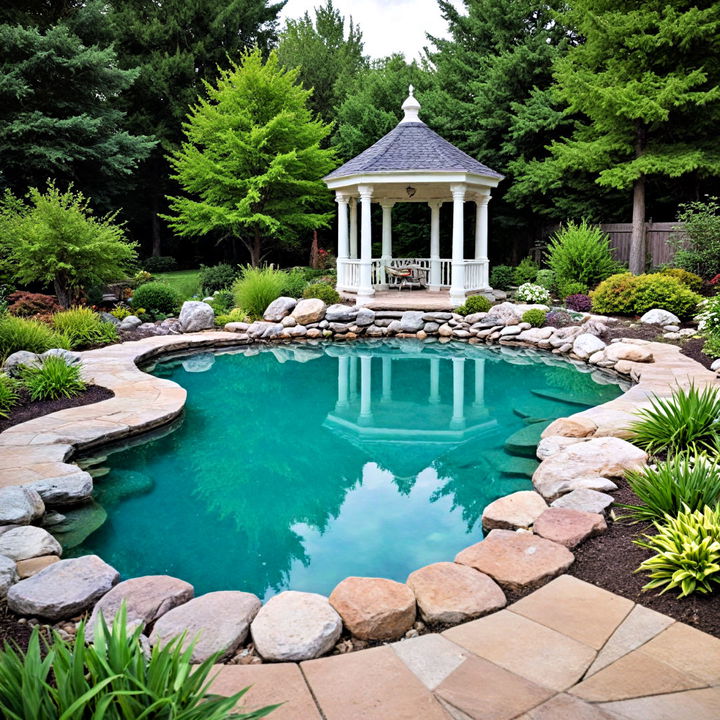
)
(410, 190)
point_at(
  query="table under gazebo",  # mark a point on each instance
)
(412, 163)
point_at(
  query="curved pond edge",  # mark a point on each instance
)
(43, 448)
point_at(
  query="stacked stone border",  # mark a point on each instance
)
(531, 533)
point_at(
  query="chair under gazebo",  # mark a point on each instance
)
(412, 163)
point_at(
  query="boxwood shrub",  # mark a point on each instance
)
(157, 298)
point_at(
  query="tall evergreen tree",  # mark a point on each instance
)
(644, 84)
(176, 46)
(252, 165)
(326, 57)
(59, 102)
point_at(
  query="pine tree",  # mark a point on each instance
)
(251, 163)
(644, 83)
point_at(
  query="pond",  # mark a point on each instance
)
(296, 466)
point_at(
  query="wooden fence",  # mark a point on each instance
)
(657, 246)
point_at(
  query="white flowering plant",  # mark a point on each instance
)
(709, 318)
(531, 293)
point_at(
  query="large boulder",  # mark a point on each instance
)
(412, 321)
(8, 574)
(657, 316)
(374, 608)
(341, 313)
(295, 626)
(63, 589)
(504, 314)
(518, 510)
(195, 316)
(64, 490)
(310, 310)
(450, 593)
(586, 344)
(22, 358)
(216, 623)
(279, 309)
(28, 542)
(588, 465)
(20, 505)
(628, 351)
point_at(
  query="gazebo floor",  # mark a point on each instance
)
(407, 300)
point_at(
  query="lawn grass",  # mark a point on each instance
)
(186, 282)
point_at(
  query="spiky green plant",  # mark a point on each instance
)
(682, 481)
(84, 328)
(8, 394)
(256, 288)
(688, 421)
(111, 679)
(687, 552)
(53, 379)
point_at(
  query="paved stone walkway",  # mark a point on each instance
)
(568, 651)
(408, 300)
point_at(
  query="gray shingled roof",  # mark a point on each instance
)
(412, 146)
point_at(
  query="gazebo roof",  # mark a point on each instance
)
(412, 146)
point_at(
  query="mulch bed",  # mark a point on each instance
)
(693, 348)
(12, 630)
(28, 410)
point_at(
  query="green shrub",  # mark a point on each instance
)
(666, 292)
(535, 317)
(8, 394)
(474, 304)
(21, 334)
(256, 288)
(311, 274)
(688, 552)
(157, 298)
(685, 422)
(690, 280)
(121, 312)
(530, 293)
(526, 271)
(294, 284)
(502, 277)
(572, 288)
(692, 482)
(222, 302)
(84, 328)
(546, 278)
(160, 263)
(615, 296)
(697, 241)
(235, 315)
(112, 678)
(323, 292)
(217, 277)
(580, 253)
(52, 380)
(712, 346)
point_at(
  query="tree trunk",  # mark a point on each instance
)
(62, 292)
(155, 223)
(637, 239)
(255, 248)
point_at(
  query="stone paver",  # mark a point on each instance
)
(527, 648)
(372, 684)
(566, 707)
(577, 609)
(567, 526)
(693, 705)
(269, 685)
(586, 500)
(517, 510)
(432, 658)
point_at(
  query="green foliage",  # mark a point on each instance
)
(222, 302)
(474, 304)
(53, 379)
(712, 346)
(157, 298)
(185, 282)
(111, 678)
(546, 278)
(685, 422)
(21, 334)
(526, 271)
(256, 288)
(615, 296)
(121, 312)
(572, 288)
(697, 240)
(84, 328)
(159, 263)
(536, 317)
(54, 238)
(235, 315)
(531, 293)
(688, 552)
(580, 253)
(8, 394)
(690, 280)
(252, 164)
(217, 277)
(322, 291)
(682, 481)
(502, 277)
(666, 292)
(295, 283)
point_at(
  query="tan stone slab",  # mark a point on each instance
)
(566, 707)
(432, 657)
(634, 675)
(269, 685)
(689, 705)
(568, 526)
(641, 625)
(576, 609)
(527, 648)
(688, 650)
(483, 691)
(371, 684)
(31, 566)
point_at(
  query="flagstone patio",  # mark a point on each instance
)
(568, 651)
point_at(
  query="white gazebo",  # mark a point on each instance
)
(412, 163)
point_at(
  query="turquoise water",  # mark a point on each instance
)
(298, 466)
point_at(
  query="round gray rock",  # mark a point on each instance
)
(658, 316)
(8, 574)
(20, 505)
(196, 316)
(19, 359)
(131, 322)
(63, 589)
(295, 626)
(341, 313)
(216, 622)
(64, 490)
(70, 357)
(279, 309)
(28, 542)
(412, 321)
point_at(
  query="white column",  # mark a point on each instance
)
(387, 207)
(343, 367)
(353, 229)
(353, 376)
(387, 379)
(365, 390)
(434, 398)
(434, 279)
(481, 238)
(457, 283)
(479, 382)
(366, 290)
(343, 248)
(458, 416)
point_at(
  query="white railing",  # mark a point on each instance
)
(476, 274)
(349, 273)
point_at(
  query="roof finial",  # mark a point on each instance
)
(411, 107)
